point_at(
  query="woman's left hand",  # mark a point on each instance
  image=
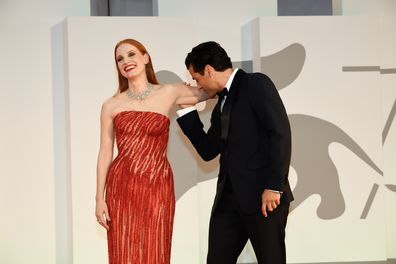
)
(102, 214)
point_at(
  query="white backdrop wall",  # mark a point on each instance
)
(387, 19)
(220, 20)
(326, 107)
(336, 162)
(220, 27)
(27, 225)
(27, 218)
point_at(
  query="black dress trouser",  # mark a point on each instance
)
(229, 230)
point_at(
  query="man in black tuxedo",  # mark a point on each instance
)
(250, 130)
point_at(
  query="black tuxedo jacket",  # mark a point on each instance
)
(252, 135)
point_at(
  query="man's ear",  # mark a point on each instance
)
(209, 70)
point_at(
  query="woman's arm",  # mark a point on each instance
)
(188, 95)
(105, 157)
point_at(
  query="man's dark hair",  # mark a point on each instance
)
(208, 53)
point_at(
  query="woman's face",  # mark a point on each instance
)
(130, 61)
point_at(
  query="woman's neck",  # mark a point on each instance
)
(136, 85)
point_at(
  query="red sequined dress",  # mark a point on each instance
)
(139, 190)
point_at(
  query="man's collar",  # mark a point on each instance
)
(229, 82)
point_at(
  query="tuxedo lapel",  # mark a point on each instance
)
(225, 117)
(227, 107)
(216, 119)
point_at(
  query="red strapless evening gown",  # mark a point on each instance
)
(139, 190)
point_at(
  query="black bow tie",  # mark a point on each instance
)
(221, 94)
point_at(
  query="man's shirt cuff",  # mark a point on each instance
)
(184, 111)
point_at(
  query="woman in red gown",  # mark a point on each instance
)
(135, 199)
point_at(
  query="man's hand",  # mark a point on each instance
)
(270, 200)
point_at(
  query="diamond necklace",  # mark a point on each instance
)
(140, 96)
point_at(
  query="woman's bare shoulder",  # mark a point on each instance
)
(111, 103)
(164, 89)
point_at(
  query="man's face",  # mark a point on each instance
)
(205, 81)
